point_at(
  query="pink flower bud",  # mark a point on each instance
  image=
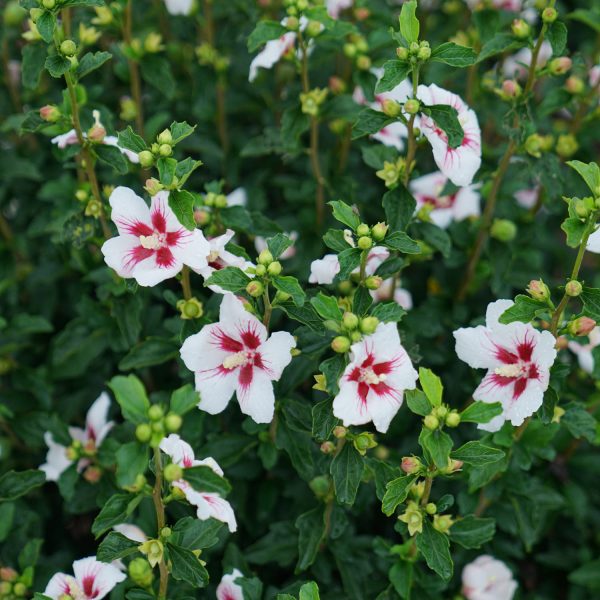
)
(8, 574)
(362, 13)
(559, 66)
(511, 89)
(50, 113)
(582, 326)
(538, 290)
(337, 85)
(411, 464)
(97, 133)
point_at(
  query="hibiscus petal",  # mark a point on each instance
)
(473, 346)
(96, 579)
(56, 459)
(192, 249)
(275, 353)
(129, 212)
(348, 405)
(57, 586)
(178, 450)
(96, 419)
(216, 387)
(151, 271)
(119, 254)
(239, 323)
(256, 397)
(271, 53)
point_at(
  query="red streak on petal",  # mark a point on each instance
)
(354, 374)
(368, 361)
(525, 349)
(363, 391)
(384, 368)
(164, 257)
(88, 586)
(382, 389)
(137, 255)
(250, 338)
(506, 356)
(520, 385)
(246, 373)
(501, 380)
(136, 228)
(533, 372)
(174, 237)
(158, 219)
(258, 361)
(226, 342)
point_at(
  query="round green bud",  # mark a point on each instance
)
(363, 63)
(274, 268)
(165, 150)
(350, 50)
(431, 422)
(362, 45)
(521, 29)
(173, 472)
(574, 85)
(158, 427)
(260, 270)
(412, 106)
(265, 258)
(49, 4)
(414, 47)
(327, 447)
(350, 321)
(373, 282)
(379, 231)
(573, 288)
(440, 411)
(140, 572)
(355, 336)
(340, 344)
(503, 230)
(165, 137)
(363, 229)
(146, 159)
(402, 53)
(166, 532)
(340, 432)
(221, 201)
(5, 588)
(155, 412)
(68, 48)
(320, 486)
(430, 508)
(255, 289)
(19, 589)
(549, 15)
(453, 419)
(391, 108)
(424, 53)
(313, 29)
(173, 422)
(368, 325)
(364, 242)
(14, 14)
(143, 432)
(582, 210)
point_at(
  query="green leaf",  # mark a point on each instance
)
(574, 227)
(332, 368)
(15, 484)
(399, 206)
(115, 546)
(454, 55)
(579, 421)
(264, 32)
(477, 454)
(480, 412)
(591, 18)
(396, 492)
(309, 591)
(500, 43)
(409, 24)
(591, 302)
(184, 400)
(438, 444)
(182, 204)
(186, 566)
(112, 156)
(417, 402)
(327, 307)
(394, 73)
(32, 65)
(131, 396)
(432, 386)
(57, 65)
(291, 286)
(204, 479)
(278, 244)
(180, 130)
(130, 140)
(7, 515)
(46, 24)
(525, 309)
(231, 279)
(334, 239)
(347, 469)
(345, 214)
(349, 260)
(132, 460)
(435, 548)
(434, 236)
(29, 555)
(590, 173)
(362, 301)
(71, 3)
(166, 170)
(114, 511)
(194, 534)
(311, 529)
(90, 62)
(401, 242)
(156, 70)
(446, 118)
(152, 351)
(388, 312)
(323, 420)
(369, 121)
(401, 577)
(472, 532)
(557, 36)
(587, 575)
(185, 168)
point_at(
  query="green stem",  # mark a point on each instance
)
(159, 508)
(268, 307)
(185, 282)
(412, 142)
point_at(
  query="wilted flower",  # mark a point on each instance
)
(237, 355)
(69, 138)
(487, 578)
(518, 359)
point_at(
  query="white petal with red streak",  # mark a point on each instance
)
(96, 418)
(201, 351)
(178, 450)
(56, 459)
(192, 250)
(209, 461)
(160, 204)
(105, 576)
(128, 208)
(348, 405)
(527, 403)
(235, 319)
(473, 346)
(228, 589)
(117, 251)
(149, 273)
(466, 204)
(216, 389)
(257, 399)
(276, 353)
(57, 586)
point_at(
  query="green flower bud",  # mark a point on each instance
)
(560, 65)
(566, 145)
(255, 289)
(49, 4)
(355, 336)
(190, 309)
(260, 270)
(313, 29)
(453, 419)
(340, 344)
(538, 290)
(379, 231)
(320, 486)
(155, 412)
(549, 15)
(412, 106)
(392, 109)
(140, 572)
(424, 53)
(373, 282)
(520, 29)
(50, 113)
(350, 321)
(402, 53)
(173, 422)
(68, 48)
(363, 442)
(173, 472)
(165, 137)
(442, 523)
(431, 422)
(146, 159)
(363, 63)
(221, 201)
(368, 325)
(166, 532)
(430, 508)
(414, 47)
(265, 258)
(158, 427)
(154, 550)
(574, 85)
(503, 230)
(573, 288)
(143, 432)
(14, 14)
(5, 588)
(19, 589)
(350, 50)
(274, 269)
(165, 150)
(292, 23)
(363, 229)
(364, 242)
(340, 432)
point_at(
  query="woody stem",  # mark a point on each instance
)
(412, 142)
(159, 508)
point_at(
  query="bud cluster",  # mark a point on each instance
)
(159, 425)
(13, 585)
(440, 416)
(356, 49)
(353, 328)
(266, 267)
(209, 56)
(152, 44)
(162, 147)
(392, 172)
(416, 52)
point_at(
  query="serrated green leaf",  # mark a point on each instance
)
(454, 55)
(396, 492)
(477, 454)
(394, 73)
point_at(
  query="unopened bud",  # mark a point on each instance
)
(173, 422)
(424, 53)
(274, 268)
(549, 15)
(143, 432)
(8, 574)
(165, 150)
(364, 242)
(68, 48)
(573, 288)
(173, 472)
(581, 326)
(255, 289)
(146, 158)
(313, 29)
(510, 89)
(503, 230)
(574, 85)
(402, 53)
(165, 137)
(350, 50)
(559, 66)
(363, 63)
(340, 432)
(96, 133)
(153, 186)
(265, 258)
(538, 290)
(521, 29)
(350, 321)
(379, 231)
(92, 474)
(292, 23)
(430, 508)
(140, 572)
(327, 447)
(363, 229)
(566, 145)
(411, 465)
(373, 282)
(50, 113)
(320, 486)
(155, 412)
(431, 422)
(260, 270)
(391, 108)
(453, 419)
(340, 344)
(412, 106)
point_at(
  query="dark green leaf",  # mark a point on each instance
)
(291, 286)
(362, 301)
(115, 546)
(327, 307)
(477, 454)
(112, 156)
(438, 444)
(46, 24)
(454, 55)
(435, 548)
(57, 65)
(311, 529)
(204, 479)
(130, 140)
(591, 302)
(34, 57)
(432, 386)
(182, 204)
(399, 206)
(574, 227)
(347, 469)
(231, 279)
(525, 309)
(180, 130)
(194, 534)
(396, 492)
(472, 532)
(184, 400)
(401, 577)
(15, 484)
(345, 214)
(263, 32)
(114, 511)
(90, 62)
(152, 351)
(394, 73)
(349, 260)
(132, 460)
(417, 402)
(278, 244)
(156, 70)
(334, 239)
(557, 36)
(323, 420)
(186, 566)
(480, 412)
(446, 118)
(401, 242)
(587, 575)
(590, 17)
(579, 421)
(166, 170)
(501, 42)
(131, 396)
(590, 172)
(388, 312)
(369, 121)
